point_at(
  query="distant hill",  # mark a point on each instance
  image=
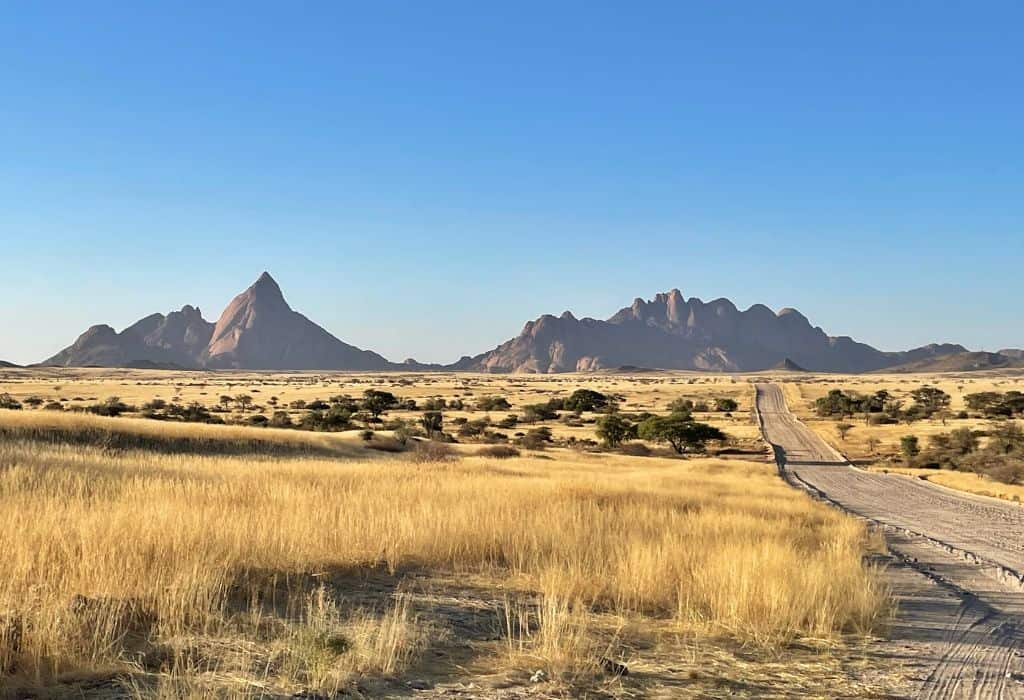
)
(672, 332)
(258, 330)
(8, 365)
(788, 365)
(959, 362)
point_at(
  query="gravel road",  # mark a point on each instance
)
(958, 562)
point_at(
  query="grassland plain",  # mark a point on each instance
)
(877, 447)
(189, 560)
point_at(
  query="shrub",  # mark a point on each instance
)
(433, 451)
(493, 403)
(281, 419)
(536, 438)
(910, 446)
(681, 406)
(508, 422)
(473, 428)
(539, 412)
(726, 405)
(9, 402)
(585, 400)
(112, 407)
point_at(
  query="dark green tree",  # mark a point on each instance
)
(377, 402)
(432, 422)
(613, 429)
(585, 400)
(681, 432)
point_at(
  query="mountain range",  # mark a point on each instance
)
(259, 331)
(672, 332)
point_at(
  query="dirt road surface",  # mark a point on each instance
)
(958, 563)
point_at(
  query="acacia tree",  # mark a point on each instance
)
(873, 444)
(585, 400)
(432, 422)
(614, 430)
(244, 401)
(930, 399)
(377, 402)
(910, 446)
(842, 429)
(679, 431)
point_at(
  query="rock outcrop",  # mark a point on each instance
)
(672, 332)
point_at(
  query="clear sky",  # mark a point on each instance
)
(422, 178)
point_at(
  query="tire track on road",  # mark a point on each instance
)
(969, 632)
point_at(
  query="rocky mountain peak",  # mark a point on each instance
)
(257, 330)
(265, 290)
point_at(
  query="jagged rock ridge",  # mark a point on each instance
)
(672, 332)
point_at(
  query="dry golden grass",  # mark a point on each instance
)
(802, 392)
(224, 574)
(652, 392)
(962, 481)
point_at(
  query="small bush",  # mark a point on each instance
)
(433, 451)
(9, 402)
(492, 403)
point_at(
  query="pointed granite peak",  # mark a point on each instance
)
(265, 281)
(265, 289)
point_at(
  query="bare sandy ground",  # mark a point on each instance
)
(956, 568)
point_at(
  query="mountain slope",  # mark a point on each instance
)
(258, 330)
(179, 338)
(959, 362)
(671, 332)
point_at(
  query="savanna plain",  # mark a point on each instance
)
(192, 534)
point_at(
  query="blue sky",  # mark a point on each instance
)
(422, 178)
